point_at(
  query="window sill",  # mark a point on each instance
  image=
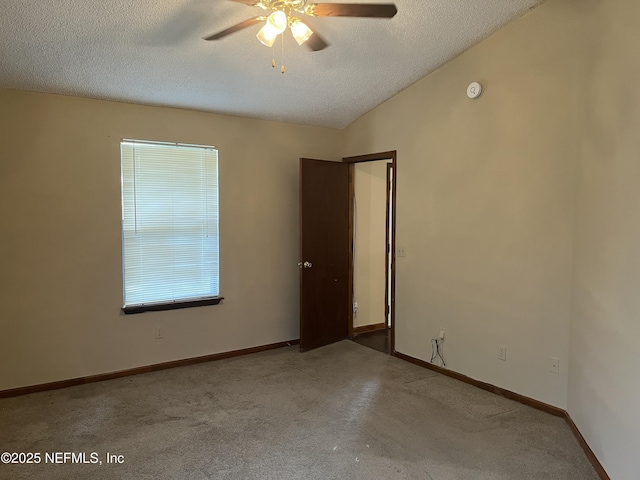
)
(157, 307)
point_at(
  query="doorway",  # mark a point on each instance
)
(372, 225)
(327, 250)
(371, 260)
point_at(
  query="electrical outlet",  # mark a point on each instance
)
(502, 353)
(159, 333)
(555, 365)
(402, 251)
(441, 336)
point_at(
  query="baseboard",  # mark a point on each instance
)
(558, 412)
(43, 387)
(369, 328)
(586, 448)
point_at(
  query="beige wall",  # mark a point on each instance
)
(370, 185)
(61, 280)
(518, 212)
(485, 203)
(604, 383)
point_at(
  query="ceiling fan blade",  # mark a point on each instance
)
(235, 28)
(316, 42)
(379, 10)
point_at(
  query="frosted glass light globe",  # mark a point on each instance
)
(278, 20)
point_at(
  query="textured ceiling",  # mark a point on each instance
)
(152, 52)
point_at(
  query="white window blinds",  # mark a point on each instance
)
(169, 222)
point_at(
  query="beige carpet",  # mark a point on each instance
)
(340, 412)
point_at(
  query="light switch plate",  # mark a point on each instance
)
(502, 353)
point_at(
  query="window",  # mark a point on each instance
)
(170, 238)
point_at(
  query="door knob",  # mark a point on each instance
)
(305, 265)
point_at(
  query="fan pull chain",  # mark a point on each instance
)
(273, 58)
(282, 68)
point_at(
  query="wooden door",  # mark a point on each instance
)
(324, 253)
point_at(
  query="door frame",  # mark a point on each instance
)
(390, 155)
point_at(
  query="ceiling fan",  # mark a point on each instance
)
(284, 14)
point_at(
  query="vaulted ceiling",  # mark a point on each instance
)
(153, 52)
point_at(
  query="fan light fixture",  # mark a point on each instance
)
(278, 20)
(277, 23)
(283, 14)
(267, 35)
(300, 31)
